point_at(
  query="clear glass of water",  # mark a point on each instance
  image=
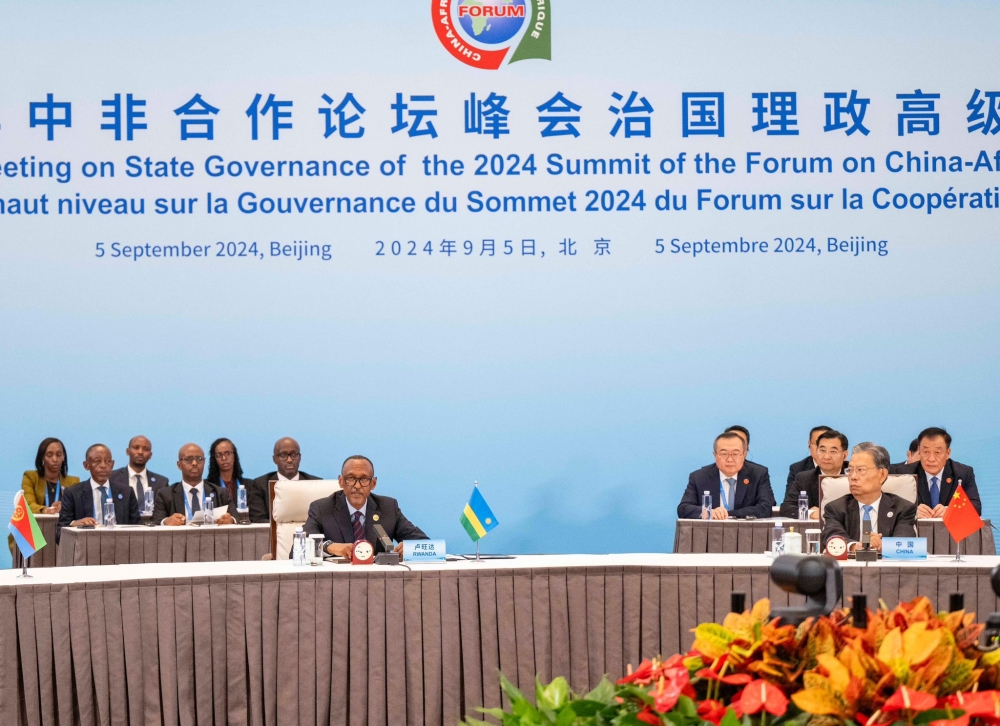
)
(109, 514)
(812, 541)
(147, 503)
(777, 540)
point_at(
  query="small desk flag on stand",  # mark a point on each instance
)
(477, 517)
(24, 528)
(961, 518)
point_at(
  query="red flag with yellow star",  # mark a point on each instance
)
(961, 517)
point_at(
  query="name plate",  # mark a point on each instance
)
(424, 550)
(904, 548)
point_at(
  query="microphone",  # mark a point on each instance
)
(866, 553)
(866, 534)
(383, 537)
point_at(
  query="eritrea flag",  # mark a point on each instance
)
(25, 530)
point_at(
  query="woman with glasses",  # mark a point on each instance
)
(224, 468)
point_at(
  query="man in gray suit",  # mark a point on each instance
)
(888, 515)
(136, 476)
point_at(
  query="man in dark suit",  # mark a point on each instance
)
(811, 461)
(938, 476)
(83, 503)
(350, 515)
(286, 457)
(738, 487)
(176, 505)
(888, 515)
(831, 451)
(136, 475)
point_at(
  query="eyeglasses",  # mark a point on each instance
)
(286, 456)
(729, 454)
(859, 470)
(193, 459)
(354, 480)
(223, 455)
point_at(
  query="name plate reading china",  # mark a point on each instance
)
(424, 550)
(904, 548)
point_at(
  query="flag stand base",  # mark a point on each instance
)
(24, 572)
(477, 550)
(958, 552)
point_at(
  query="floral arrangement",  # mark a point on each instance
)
(909, 667)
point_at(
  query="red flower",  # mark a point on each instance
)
(960, 721)
(736, 679)
(906, 699)
(672, 684)
(711, 710)
(984, 705)
(643, 675)
(763, 695)
(647, 715)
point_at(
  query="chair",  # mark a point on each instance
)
(290, 502)
(835, 487)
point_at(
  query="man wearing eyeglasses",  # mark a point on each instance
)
(286, 458)
(178, 504)
(887, 515)
(83, 504)
(831, 452)
(351, 514)
(738, 488)
(938, 475)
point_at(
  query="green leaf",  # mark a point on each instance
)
(686, 707)
(730, 718)
(494, 712)
(746, 720)
(567, 716)
(937, 714)
(555, 695)
(604, 692)
(511, 690)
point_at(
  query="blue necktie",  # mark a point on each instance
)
(730, 495)
(868, 512)
(104, 500)
(935, 492)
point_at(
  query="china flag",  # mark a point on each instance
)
(960, 517)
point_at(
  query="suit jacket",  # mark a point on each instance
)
(806, 481)
(259, 496)
(171, 500)
(78, 502)
(754, 497)
(34, 487)
(797, 468)
(330, 517)
(895, 518)
(156, 481)
(950, 476)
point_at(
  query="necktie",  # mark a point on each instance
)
(731, 493)
(868, 512)
(935, 492)
(104, 500)
(195, 501)
(138, 489)
(359, 529)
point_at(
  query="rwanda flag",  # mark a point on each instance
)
(24, 528)
(478, 518)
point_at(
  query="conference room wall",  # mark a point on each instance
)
(578, 393)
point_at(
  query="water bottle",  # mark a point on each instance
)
(803, 505)
(147, 502)
(209, 519)
(299, 555)
(241, 500)
(777, 539)
(706, 505)
(109, 514)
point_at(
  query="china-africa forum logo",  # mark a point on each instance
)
(481, 33)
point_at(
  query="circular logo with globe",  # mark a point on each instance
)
(491, 22)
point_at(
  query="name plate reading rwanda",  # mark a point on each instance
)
(904, 548)
(424, 550)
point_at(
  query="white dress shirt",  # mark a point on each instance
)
(285, 478)
(352, 510)
(200, 488)
(724, 487)
(98, 499)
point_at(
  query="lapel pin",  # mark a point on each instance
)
(746, 481)
(948, 480)
(119, 496)
(888, 514)
(374, 517)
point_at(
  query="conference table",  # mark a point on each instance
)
(137, 544)
(267, 643)
(754, 536)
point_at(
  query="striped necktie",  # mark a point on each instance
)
(359, 529)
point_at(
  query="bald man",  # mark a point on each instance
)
(287, 457)
(136, 475)
(176, 505)
(83, 503)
